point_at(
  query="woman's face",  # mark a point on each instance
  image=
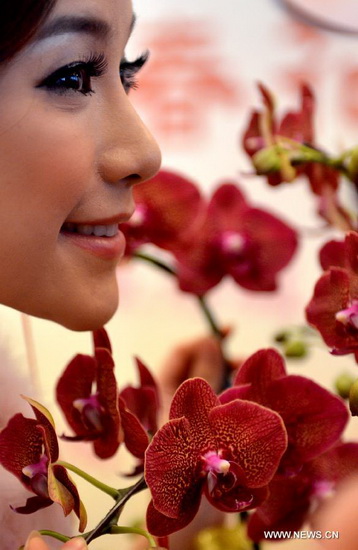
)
(71, 148)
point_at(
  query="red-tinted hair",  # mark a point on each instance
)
(19, 20)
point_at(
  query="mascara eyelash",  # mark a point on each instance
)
(129, 69)
(95, 65)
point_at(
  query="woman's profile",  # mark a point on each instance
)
(71, 149)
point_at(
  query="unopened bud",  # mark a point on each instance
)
(267, 160)
(353, 398)
(343, 384)
(295, 348)
(218, 538)
(352, 165)
(282, 336)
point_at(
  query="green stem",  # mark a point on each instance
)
(54, 535)
(114, 493)
(204, 306)
(208, 314)
(154, 261)
(119, 530)
(112, 517)
(201, 299)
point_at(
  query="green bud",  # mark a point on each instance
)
(295, 348)
(352, 165)
(282, 336)
(343, 384)
(353, 398)
(218, 538)
(267, 160)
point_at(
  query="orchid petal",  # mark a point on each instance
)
(255, 435)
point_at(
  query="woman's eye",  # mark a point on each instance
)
(128, 71)
(75, 77)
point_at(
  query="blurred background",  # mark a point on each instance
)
(195, 94)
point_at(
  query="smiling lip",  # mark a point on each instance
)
(101, 238)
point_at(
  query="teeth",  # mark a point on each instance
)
(85, 229)
(97, 230)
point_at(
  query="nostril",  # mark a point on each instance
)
(134, 178)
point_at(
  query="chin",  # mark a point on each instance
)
(83, 310)
(87, 318)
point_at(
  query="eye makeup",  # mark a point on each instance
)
(77, 76)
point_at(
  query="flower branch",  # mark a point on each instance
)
(114, 493)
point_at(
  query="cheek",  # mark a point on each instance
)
(46, 165)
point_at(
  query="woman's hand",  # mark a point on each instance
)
(201, 357)
(36, 542)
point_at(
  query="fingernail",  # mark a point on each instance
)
(78, 543)
(29, 544)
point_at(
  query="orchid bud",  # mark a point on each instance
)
(295, 348)
(352, 165)
(267, 160)
(353, 398)
(343, 384)
(217, 538)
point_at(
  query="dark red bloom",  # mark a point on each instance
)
(143, 401)
(333, 309)
(88, 395)
(314, 418)
(29, 450)
(228, 452)
(237, 239)
(166, 207)
(291, 499)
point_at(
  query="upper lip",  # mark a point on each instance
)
(122, 217)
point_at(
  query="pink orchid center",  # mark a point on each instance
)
(213, 463)
(349, 315)
(91, 411)
(232, 243)
(226, 482)
(139, 216)
(38, 476)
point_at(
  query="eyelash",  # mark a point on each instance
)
(76, 77)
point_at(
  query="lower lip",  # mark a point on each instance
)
(106, 248)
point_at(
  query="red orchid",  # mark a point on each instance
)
(228, 452)
(143, 401)
(314, 418)
(29, 450)
(291, 499)
(237, 239)
(277, 147)
(87, 394)
(333, 309)
(166, 206)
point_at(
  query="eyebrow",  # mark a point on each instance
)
(78, 24)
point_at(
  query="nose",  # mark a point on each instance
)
(128, 151)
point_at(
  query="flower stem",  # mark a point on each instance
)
(208, 314)
(118, 530)
(106, 524)
(202, 301)
(204, 306)
(114, 493)
(154, 261)
(54, 535)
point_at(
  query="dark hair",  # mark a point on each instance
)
(19, 20)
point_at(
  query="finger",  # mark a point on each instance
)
(340, 514)
(203, 358)
(36, 542)
(75, 544)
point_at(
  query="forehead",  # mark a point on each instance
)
(113, 16)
